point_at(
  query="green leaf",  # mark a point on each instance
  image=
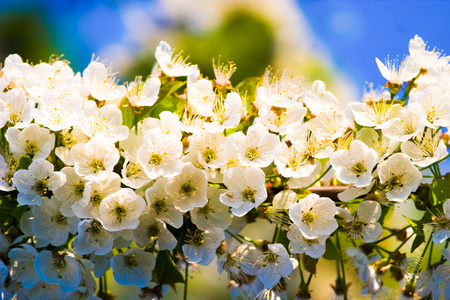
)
(331, 252)
(309, 263)
(8, 202)
(247, 89)
(439, 191)
(127, 115)
(417, 242)
(166, 272)
(165, 91)
(25, 162)
(416, 225)
(386, 214)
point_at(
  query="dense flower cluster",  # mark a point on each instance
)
(153, 176)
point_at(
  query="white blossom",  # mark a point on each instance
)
(314, 247)
(22, 265)
(397, 72)
(364, 224)
(15, 108)
(153, 230)
(314, 216)
(92, 238)
(143, 93)
(188, 189)
(121, 210)
(133, 267)
(201, 246)
(214, 214)
(33, 141)
(275, 263)
(399, 177)
(171, 65)
(246, 189)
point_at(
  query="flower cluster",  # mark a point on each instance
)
(163, 173)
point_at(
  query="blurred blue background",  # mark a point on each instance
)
(347, 34)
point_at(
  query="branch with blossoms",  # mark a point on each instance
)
(157, 177)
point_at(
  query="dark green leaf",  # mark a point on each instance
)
(439, 191)
(309, 263)
(25, 162)
(331, 252)
(417, 242)
(8, 202)
(166, 272)
(416, 225)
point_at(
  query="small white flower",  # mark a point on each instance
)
(314, 248)
(314, 216)
(121, 210)
(328, 125)
(15, 108)
(22, 265)
(376, 112)
(102, 84)
(282, 120)
(441, 224)
(365, 223)
(35, 183)
(210, 149)
(151, 229)
(398, 72)
(436, 105)
(275, 263)
(73, 190)
(143, 93)
(92, 238)
(33, 141)
(70, 138)
(173, 66)
(426, 149)
(239, 260)
(104, 122)
(133, 174)
(409, 123)
(355, 164)
(383, 145)
(425, 58)
(60, 268)
(354, 192)
(161, 204)
(292, 163)
(214, 214)
(59, 111)
(399, 177)
(50, 224)
(280, 91)
(133, 267)
(168, 122)
(254, 149)
(160, 154)
(226, 113)
(88, 206)
(6, 176)
(201, 246)
(319, 100)
(223, 72)
(188, 189)
(246, 189)
(201, 97)
(95, 159)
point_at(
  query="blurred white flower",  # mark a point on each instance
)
(397, 72)
(441, 224)
(133, 267)
(153, 230)
(425, 58)
(364, 225)
(409, 123)
(101, 83)
(171, 65)
(282, 119)
(92, 238)
(22, 265)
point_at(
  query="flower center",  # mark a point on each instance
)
(187, 189)
(68, 141)
(205, 210)
(252, 153)
(393, 183)
(197, 239)
(153, 230)
(31, 148)
(97, 165)
(269, 258)
(249, 194)
(41, 187)
(95, 227)
(359, 168)
(209, 155)
(160, 206)
(132, 170)
(130, 260)
(311, 242)
(79, 188)
(59, 219)
(308, 218)
(96, 198)
(155, 159)
(121, 212)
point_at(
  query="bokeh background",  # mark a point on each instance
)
(336, 41)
